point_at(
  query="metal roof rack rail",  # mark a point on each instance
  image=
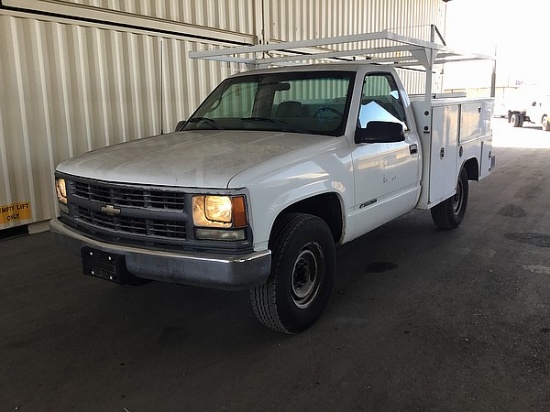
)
(382, 47)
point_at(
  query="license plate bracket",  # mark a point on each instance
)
(104, 265)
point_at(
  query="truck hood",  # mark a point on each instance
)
(202, 159)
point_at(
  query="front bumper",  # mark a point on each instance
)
(206, 269)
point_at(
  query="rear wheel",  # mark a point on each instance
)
(545, 123)
(450, 213)
(302, 274)
(515, 119)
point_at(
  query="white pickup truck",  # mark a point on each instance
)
(274, 170)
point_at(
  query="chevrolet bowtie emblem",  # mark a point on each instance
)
(110, 210)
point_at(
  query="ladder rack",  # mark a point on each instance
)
(388, 49)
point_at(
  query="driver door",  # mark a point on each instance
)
(386, 174)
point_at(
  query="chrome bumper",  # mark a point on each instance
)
(213, 270)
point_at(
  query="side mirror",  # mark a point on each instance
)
(534, 104)
(179, 126)
(380, 132)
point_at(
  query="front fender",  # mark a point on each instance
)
(273, 189)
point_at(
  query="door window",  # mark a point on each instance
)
(380, 101)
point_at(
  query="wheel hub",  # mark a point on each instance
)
(307, 275)
(458, 198)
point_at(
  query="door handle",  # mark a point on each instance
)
(413, 148)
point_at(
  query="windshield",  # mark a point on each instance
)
(298, 102)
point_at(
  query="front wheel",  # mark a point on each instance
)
(545, 123)
(450, 213)
(302, 274)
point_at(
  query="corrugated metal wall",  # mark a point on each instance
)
(67, 89)
(233, 15)
(297, 20)
(288, 20)
(69, 86)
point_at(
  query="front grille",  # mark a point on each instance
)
(144, 215)
(124, 225)
(129, 196)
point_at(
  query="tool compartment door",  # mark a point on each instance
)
(443, 153)
(476, 133)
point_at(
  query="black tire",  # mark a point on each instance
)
(545, 123)
(450, 213)
(302, 274)
(515, 119)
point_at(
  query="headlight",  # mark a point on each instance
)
(61, 190)
(220, 212)
(218, 209)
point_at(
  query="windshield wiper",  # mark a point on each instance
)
(268, 119)
(206, 120)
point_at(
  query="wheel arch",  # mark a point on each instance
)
(326, 206)
(472, 168)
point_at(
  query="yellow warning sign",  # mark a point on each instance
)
(15, 212)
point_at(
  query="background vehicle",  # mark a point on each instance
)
(273, 170)
(500, 109)
(533, 111)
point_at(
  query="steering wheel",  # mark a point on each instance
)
(327, 114)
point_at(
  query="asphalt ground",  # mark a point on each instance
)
(420, 319)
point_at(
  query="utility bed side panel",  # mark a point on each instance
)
(452, 131)
(476, 133)
(444, 152)
(475, 119)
